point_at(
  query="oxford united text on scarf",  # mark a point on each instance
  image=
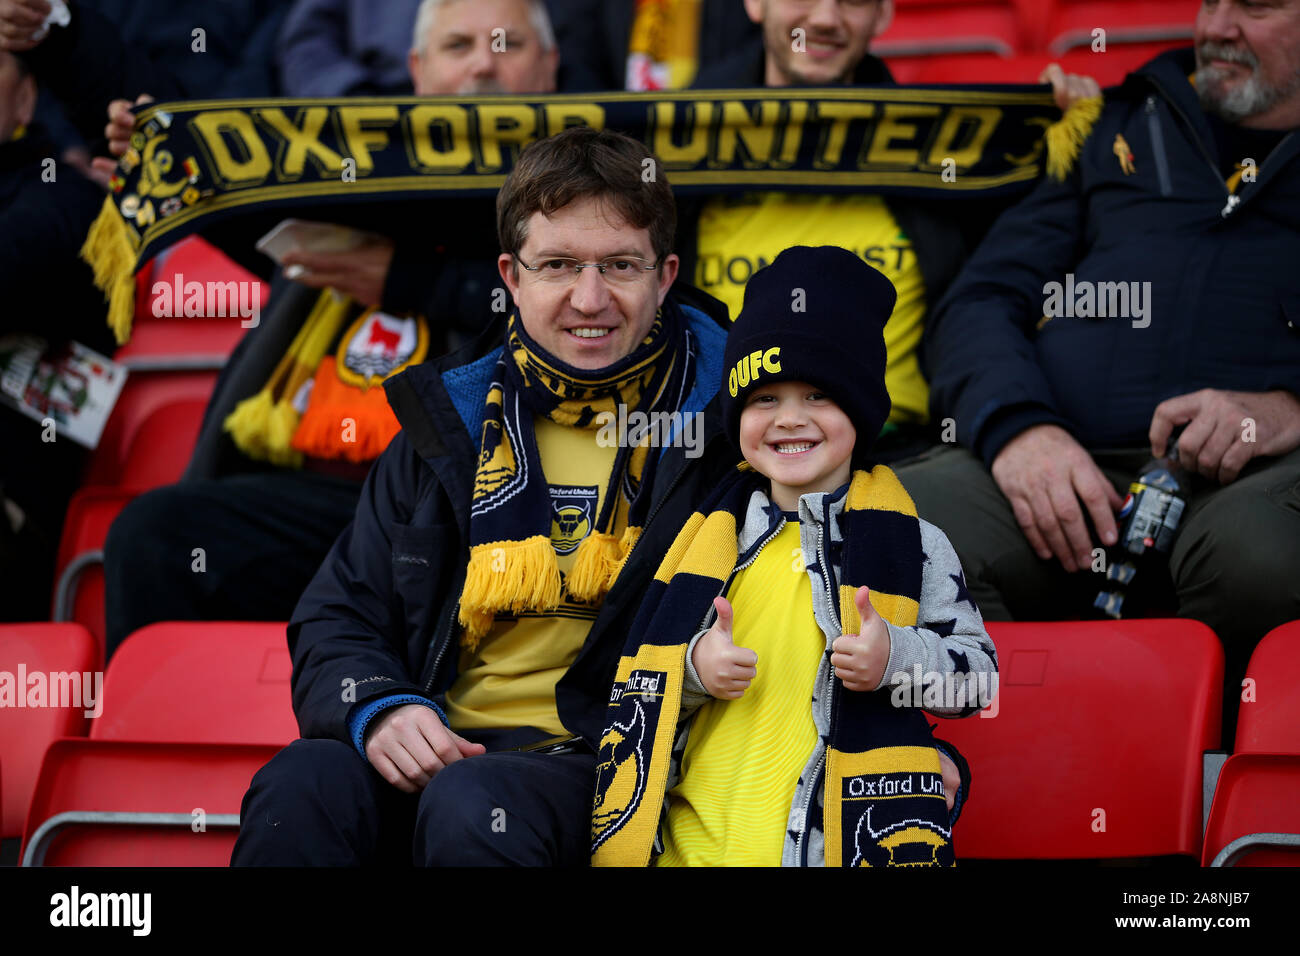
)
(190, 164)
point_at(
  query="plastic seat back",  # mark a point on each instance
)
(163, 336)
(111, 803)
(1269, 718)
(202, 682)
(1073, 22)
(1093, 747)
(926, 27)
(1255, 817)
(150, 434)
(48, 680)
(79, 587)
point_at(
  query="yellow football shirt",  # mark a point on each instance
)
(741, 234)
(743, 757)
(510, 680)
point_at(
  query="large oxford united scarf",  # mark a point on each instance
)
(194, 163)
(884, 803)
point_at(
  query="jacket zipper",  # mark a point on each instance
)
(444, 641)
(1233, 200)
(761, 545)
(740, 567)
(826, 572)
(801, 848)
(1158, 147)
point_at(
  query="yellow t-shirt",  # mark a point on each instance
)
(743, 757)
(510, 680)
(739, 235)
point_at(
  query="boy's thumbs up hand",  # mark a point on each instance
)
(724, 669)
(860, 659)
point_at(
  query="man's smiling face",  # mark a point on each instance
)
(1248, 61)
(835, 37)
(591, 322)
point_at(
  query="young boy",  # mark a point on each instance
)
(786, 730)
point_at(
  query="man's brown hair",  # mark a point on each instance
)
(582, 162)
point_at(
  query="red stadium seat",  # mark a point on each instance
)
(1108, 69)
(200, 682)
(1255, 817)
(1071, 22)
(176, 342)
(1095, 749)
(950, 68)
(79, 591)
(113, 803)
(25, 732)
(1270, 721)
(147, 443)
(927, 27)
(174, 345)
(148, 438)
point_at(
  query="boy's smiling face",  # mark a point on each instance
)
(796, 436)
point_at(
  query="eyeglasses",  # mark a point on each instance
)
(562, 271)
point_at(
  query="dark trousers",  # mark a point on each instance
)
(318, 803)
(239, 548)
(1235, 564)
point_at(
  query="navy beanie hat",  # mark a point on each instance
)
(816, 316)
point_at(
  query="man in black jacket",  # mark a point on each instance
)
(1155, 288)
(407, 663)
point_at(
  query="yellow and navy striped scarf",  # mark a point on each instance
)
(512, 564)
(884, 801)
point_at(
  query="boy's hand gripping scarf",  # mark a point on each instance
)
(512, 564)
(884, 801)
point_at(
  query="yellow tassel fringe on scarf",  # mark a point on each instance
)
(263, 426)
(1065, 137)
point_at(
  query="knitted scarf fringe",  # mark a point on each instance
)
(597, 564)
(262, 426)
(507, 575)
(1067, 135)
(110, 253)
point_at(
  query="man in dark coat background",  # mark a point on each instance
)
(1181, 226)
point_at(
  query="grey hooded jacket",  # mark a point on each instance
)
(946, 663)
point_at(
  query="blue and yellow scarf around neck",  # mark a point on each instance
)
(884, 802)
(512, 564)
